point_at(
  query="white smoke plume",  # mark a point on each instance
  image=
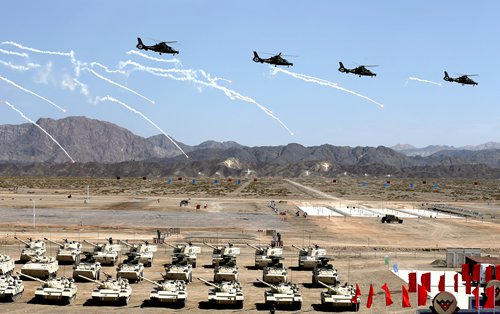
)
(19, 54)
(423, 81)
(18, 67)
(32, 93)
(72, 84)
(109, 98)
(42, 129)
(319, 81)
(135, 52)
(92, 64)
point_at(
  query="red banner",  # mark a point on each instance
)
(412, 282)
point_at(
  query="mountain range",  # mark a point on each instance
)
(105, 149)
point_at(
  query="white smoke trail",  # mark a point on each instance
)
(423, 81)
(192, 76)
(319, 81)
(92, 64)
(19, 54)
(42, 129)
(109, 98)
(32, 93)
(135, 52)
(18, 67)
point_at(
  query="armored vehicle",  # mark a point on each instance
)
(182, 270)
(131, 268)
(87, 267)
(143, 250)
(275, 273)
(337, 296)
(185, 252)
(7, 264)
(310, 257)
(391, 219)
(11, 288)
(226, 292)
(55, 289)
(226, 271)
(264, 255)
(106, 254)
(220, 252)
(285, 293)
(69, 252)
(31, 249)
(325, 273)
(111, 290)
(168, 291)
(41, 267)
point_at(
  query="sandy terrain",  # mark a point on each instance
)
(137, 209)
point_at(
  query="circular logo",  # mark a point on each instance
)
(444, 303)
(495, 283)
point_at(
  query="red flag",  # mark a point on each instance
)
(388, 299)
(475, 292)
(455, 284)
(425, 279)
(467, 286)
(412, 282)
(476, 270)
(422, 296)
(490, 297)
(465, 272)
(369, 301)
(497, 272)
(356, 294)
(488, 274)
(406, 298)
(441, 285)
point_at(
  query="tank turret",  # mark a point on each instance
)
(55, 289)
(7, 264)
(225, 293)
(283, 294)
(275, 273)
(264, 255)
(337, 296)
(168, 291)
(226, 271)
(32, 249)
(131, 268)
(310, 257)
(111, 290)
(41, 267)
(68, 252)
(11, 288)
(324, 272)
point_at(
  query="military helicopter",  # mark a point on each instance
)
(160, 47)
(276, 60)
(464, 79)
(360, 70)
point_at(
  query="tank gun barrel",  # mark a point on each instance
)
(150, 281)
(27, 244)
(91, 243)
(267, 284)
(210, 245)
(171, 245)
(56, 243)
(90, 279)
(298, 248)
(253, 246)
(32, 278)
(325, 285)
(126, 243)
(207, 282)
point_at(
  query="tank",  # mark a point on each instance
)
(340, 297)
(32, 249)
(107, 253)
(61, 290)
(87, 267)
(226, 292)
(168, 291)
(275, 273)
(41, 267)
(391, 219)
(7, 264)
(131, 268)
(182, 270)
(11, 288)
(264, 255)
(143, 250)
(187, 252)
(220, 252)
(283, 294)
(226, 271)
(324, 272)
(111, 290)
(310, 257)
(68, 252)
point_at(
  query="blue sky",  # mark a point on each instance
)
(406, 38)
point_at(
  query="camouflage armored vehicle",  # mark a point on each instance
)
(87, 267)
(68, 252)
(55, 289)
(168, 291)
(106, 254)
(309, 257)
(7, 264)
(186, 252)
(226, 293)
(31, 249)
(11, 288)
(275, 273)
(143, 250)
(264, 255)
(391, 218)
(283, 294)
(41, 267)
(111, 290)
(182, 270)
(221, 252)
(340, 297)
(131, 268)
(226, 271)
(324, 272)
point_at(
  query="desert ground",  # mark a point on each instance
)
(134, 208)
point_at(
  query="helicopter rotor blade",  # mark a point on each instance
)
(370, 66)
